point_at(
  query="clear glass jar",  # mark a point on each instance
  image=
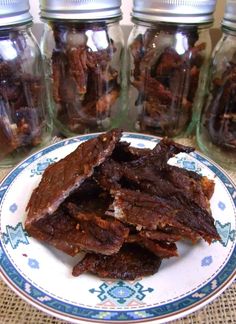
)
(84, 67)
(216, 131)
(24, 121)
(167, 62)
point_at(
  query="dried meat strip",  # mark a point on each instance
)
(161, 249)
(160, 236)
(62, 178)
(130, 263)
(152, 212)
(123, 152)
(72, 230)
(138, 166)
(54, 230)
(195, 187)
(159, 156)
(150, 173)
(97, 232)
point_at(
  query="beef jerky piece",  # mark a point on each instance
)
(123, 152)
(59, 68)
(197, 218)
(8, 136)
(144, 211)
(152, 212)
(63, 177)
(54, 230)
(220, 112)
(130, 263)
(157, 159)
(160, 119)
(163, 184)
(196, 188)
(100, 58)
(77, 59)
(19, 102)
(195, 54)
(95, 232)
(137, 53)
(10, 90)
(193, 84)
(99, 203)
(88, 203)
(77, 115)
(10, 70)
(208, 186)
(28, 126)
(150, 87)
(101, 82)
(32, 88)
(98, 235)
(143, 171)
(68, 95)
(143, 53)
(87, 191)
(108, 175)
(167, 148)
(158, 235)
(153, 175)
(72, 230)
(168, 61)
(104, 104)
(108, 76)
(160, 249)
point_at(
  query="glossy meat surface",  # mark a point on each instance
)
(130, 263)
(63, 177)
(126, 207)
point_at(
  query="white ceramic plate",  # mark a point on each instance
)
(42, 275)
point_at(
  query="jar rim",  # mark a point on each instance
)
(17, 25)
(167, 23)
(76, 20)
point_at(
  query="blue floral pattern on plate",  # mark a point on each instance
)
(121, 292)
(207, 261)
(33, 263)
(13, 208)
(226, 233)
(15, 235)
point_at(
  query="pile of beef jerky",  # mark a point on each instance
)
(21, 111)
(166, 80)
(85, 83)
(220, 115)
(124, 206)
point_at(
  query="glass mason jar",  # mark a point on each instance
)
(168, 53)
(216, 131)
(83, 51)
(24, 122)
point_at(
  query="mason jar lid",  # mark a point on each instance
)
(80, 9)
(229, 19)
(174, 11)
(14, 12)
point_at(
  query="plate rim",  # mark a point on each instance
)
(167, 317)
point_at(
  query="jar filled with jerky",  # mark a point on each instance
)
(83, 48)
(169, 49)
(216, 132)
(24, 124)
